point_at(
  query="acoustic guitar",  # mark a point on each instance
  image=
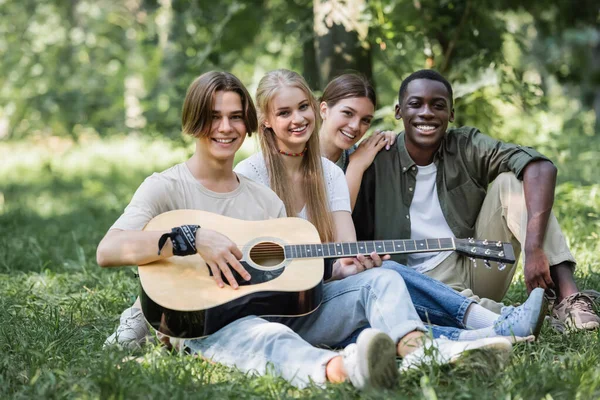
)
(285, 259)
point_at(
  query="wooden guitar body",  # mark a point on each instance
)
(285, 260)
(181, 299)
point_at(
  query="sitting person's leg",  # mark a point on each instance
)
(252, 344)
(379, 298)
(503, 217)
(375, 297)
(456, 272)
(436, 303)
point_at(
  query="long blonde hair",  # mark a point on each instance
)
(312, 169)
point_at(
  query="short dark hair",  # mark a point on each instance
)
(347, 86)
(196, 118)
(424, 74)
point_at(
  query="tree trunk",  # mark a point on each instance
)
(596, 86)
(341, 38)
(310, 67)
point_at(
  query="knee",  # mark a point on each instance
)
(387, 279)
(258, 326)
(401, 269)
(506, 180)
(269, 331)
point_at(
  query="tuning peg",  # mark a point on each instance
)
(498, 244)
(471, 240)
(487, 264)
(473, 249)
(501, 254)
(501, 267)
(485, 242)
(487, 252)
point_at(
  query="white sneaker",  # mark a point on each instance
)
(132, 330)
(371, 361)
(444, 351)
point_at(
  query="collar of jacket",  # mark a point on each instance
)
(406, 162)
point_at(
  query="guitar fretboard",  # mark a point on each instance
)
(351, 249)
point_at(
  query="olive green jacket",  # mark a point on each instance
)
(467, 161)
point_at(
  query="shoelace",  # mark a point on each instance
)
(582, 302)
(506, 312)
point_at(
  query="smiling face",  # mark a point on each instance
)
(291, 118)
(228, 129)
(426, 110)
(347, 121)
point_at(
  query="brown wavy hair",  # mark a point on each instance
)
(317, 204)
(196, 117)
(348, 86)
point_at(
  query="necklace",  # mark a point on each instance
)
(285, 153)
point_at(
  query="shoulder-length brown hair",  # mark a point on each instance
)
(317, 205)
(348, 86)
(196, 118)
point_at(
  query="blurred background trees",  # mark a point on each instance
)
(526, 70)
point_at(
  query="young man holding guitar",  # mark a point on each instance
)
(219, 112)
(440, 187)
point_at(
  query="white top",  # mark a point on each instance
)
(427, 219)
(177, 189)
(338, 196)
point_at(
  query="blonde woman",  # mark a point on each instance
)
(290, 163)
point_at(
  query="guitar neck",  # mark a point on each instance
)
(352, 249)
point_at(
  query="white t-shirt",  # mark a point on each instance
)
(427, 219)
(177, 189)
(338, 196)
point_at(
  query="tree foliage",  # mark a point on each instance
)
(123, 66)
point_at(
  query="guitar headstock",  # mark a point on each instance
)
(487, 250)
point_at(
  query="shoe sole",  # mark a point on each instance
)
(589, 326)
(377, 353)
(582, 326)
(501, 346)
(541, 317)
(520, 339)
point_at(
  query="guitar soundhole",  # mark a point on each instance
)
(267, 254)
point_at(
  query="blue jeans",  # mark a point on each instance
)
(285, 346)
(441, 307)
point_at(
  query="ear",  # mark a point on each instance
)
(323, 109)
(266, 124)
(398, 112)
(451, 119)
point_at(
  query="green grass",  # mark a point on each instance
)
(57, 199)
